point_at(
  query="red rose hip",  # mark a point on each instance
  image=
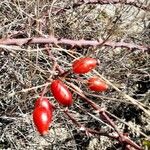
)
(61, 93)
(84, 65)
(42, 119)
(96, 84)
(44, 102)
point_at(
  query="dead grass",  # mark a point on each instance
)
(24, 71)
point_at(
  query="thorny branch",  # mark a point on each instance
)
(73, 43)
(104, 116)
(87, 130)
(120, 137)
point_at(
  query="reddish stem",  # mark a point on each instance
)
(123, 139)
(73, 43)
(103, 115)
(88, 130)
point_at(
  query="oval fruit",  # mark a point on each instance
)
(96, 84)
(42, 119)
(84, 65)
(43, 102)
(61, 93)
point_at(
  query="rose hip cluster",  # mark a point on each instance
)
(43, 109)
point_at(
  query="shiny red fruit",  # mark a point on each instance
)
(96, 84)
(43, 102)
(42, 119)
(61, 93)
(84, 65)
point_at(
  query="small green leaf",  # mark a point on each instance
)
(146, 143)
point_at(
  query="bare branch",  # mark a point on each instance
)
(73, 43)
(134, 3)
(121, 138)
(126, 2)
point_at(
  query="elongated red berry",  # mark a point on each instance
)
(61, 93)
(84, 65)
(97, 84)
(42, 119)
(43, 102)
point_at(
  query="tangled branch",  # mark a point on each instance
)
(120, 137)
(134, 3)
(73, 43)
